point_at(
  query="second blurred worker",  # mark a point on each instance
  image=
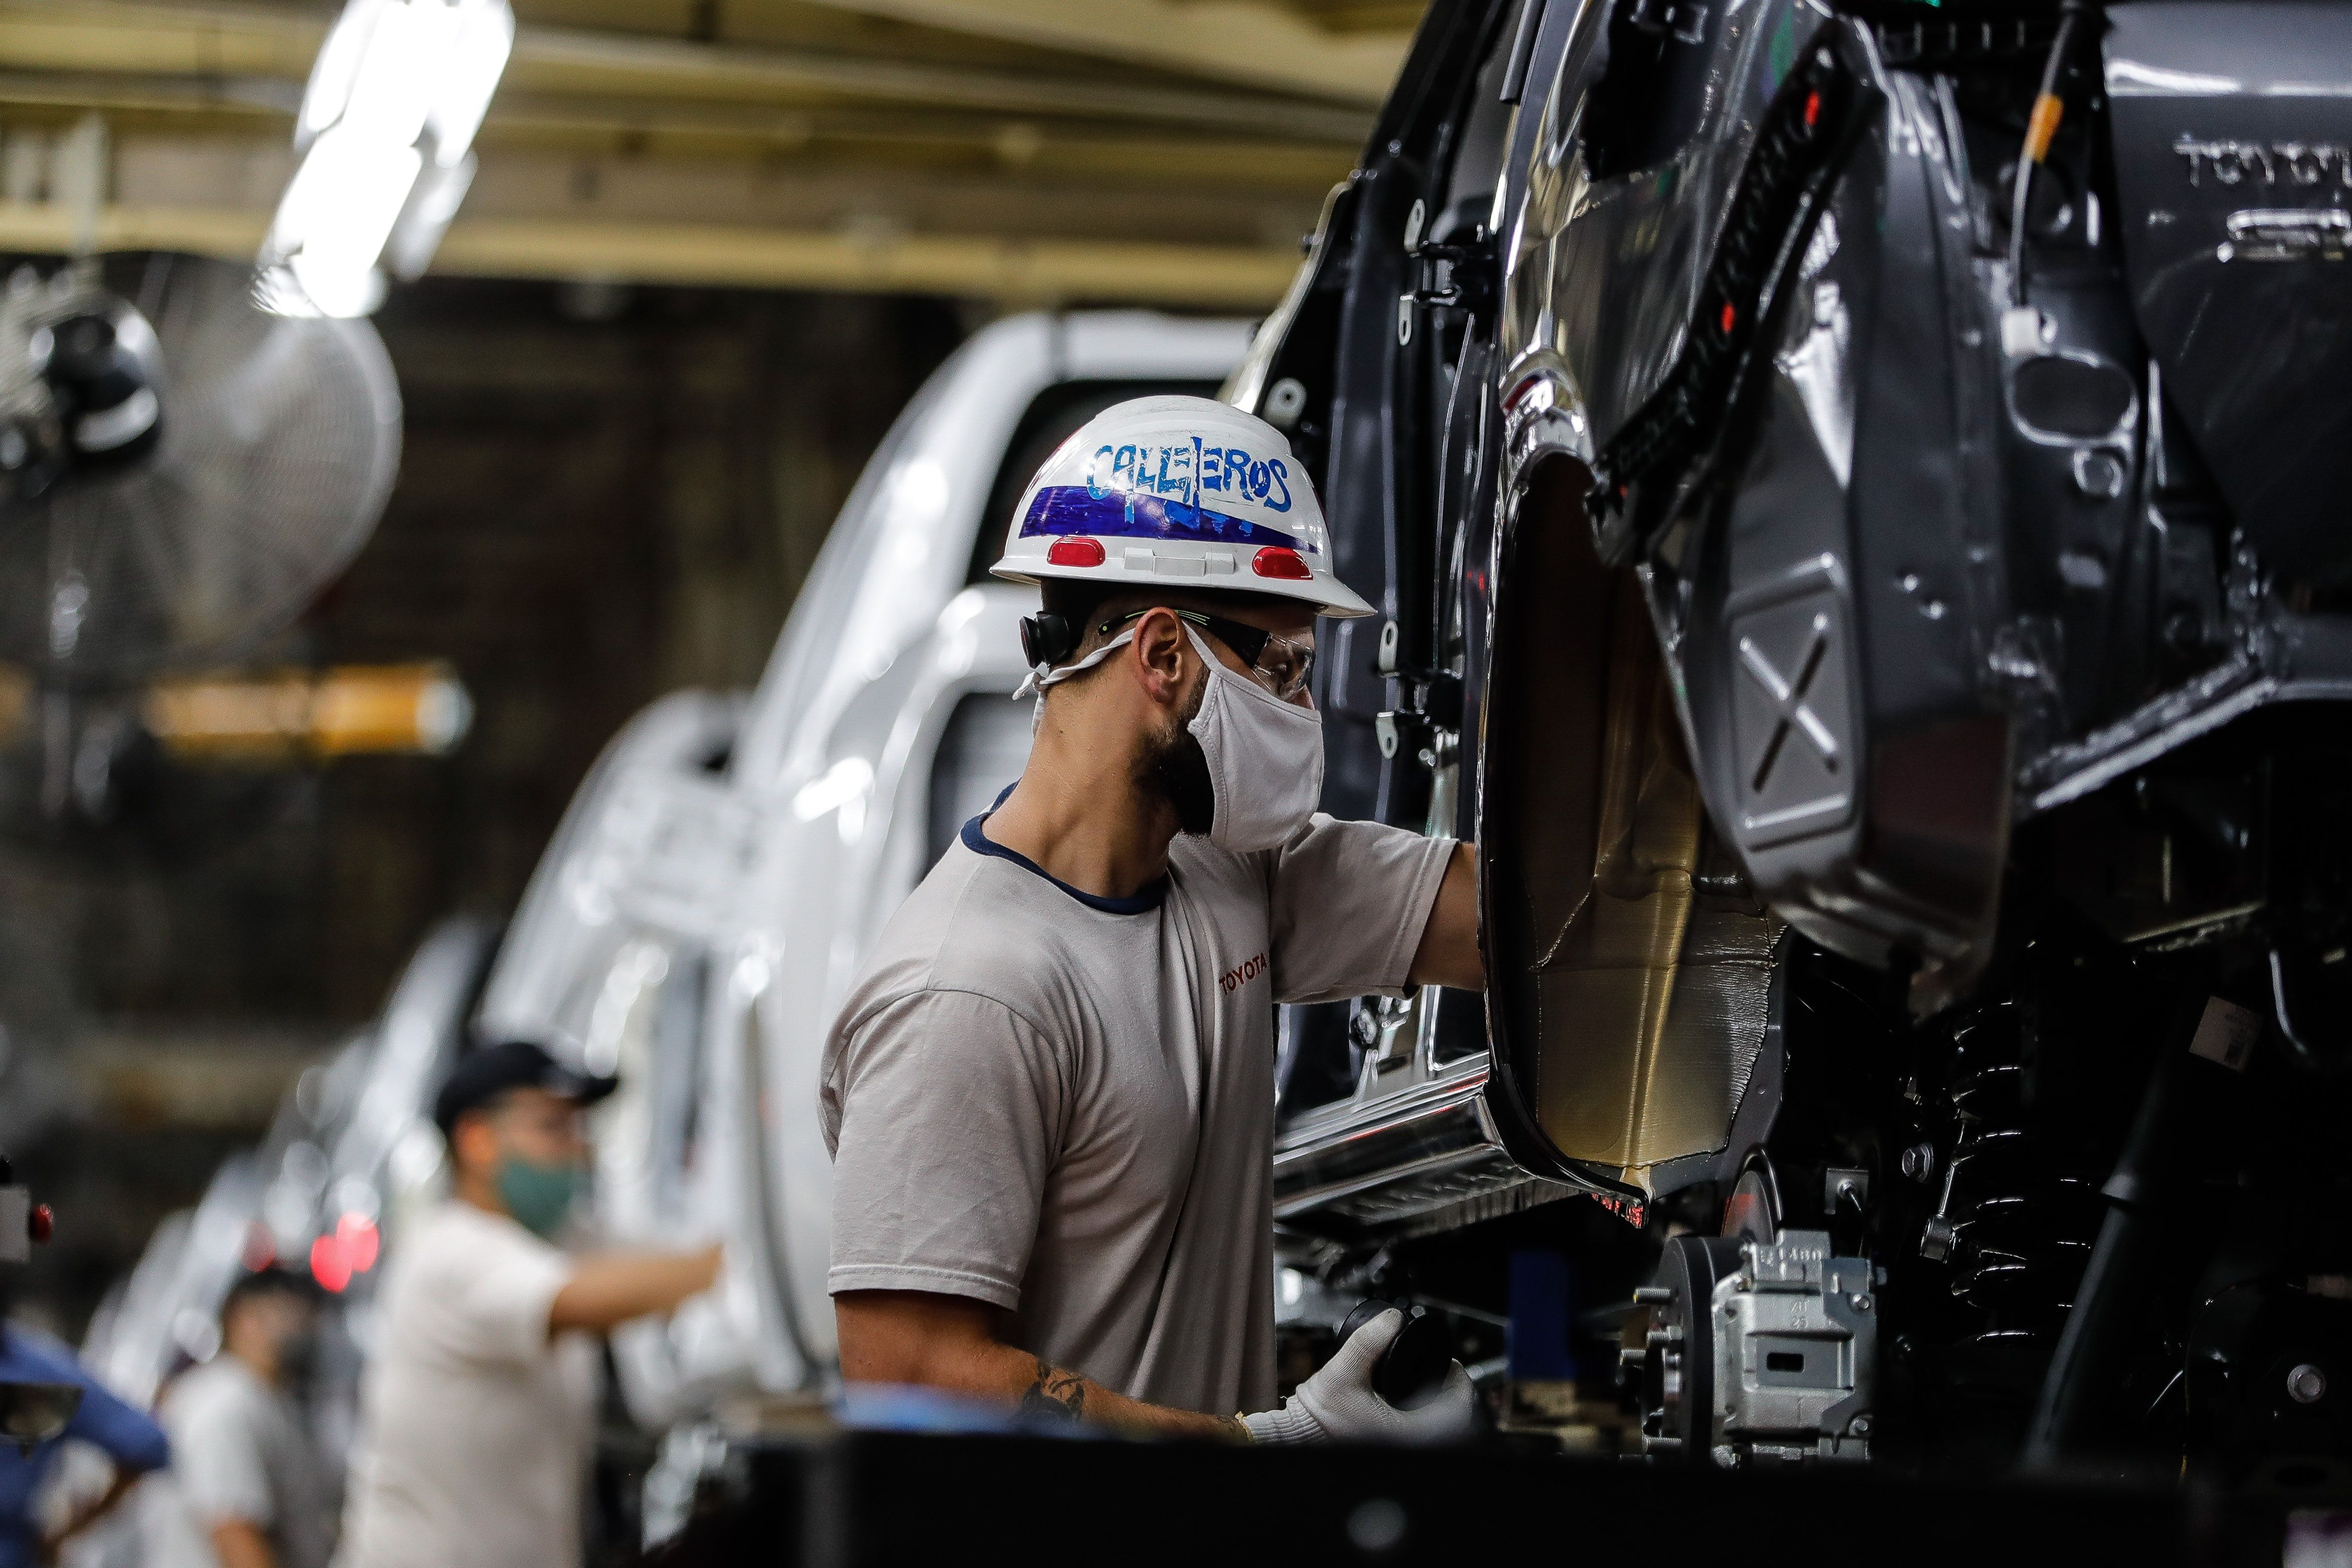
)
(246, 1489)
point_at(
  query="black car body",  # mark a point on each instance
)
(1859, 497)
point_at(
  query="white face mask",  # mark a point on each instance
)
(1264, 756)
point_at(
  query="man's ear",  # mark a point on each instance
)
(473, 1142)
(1163, 654)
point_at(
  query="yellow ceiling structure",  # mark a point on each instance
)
(1029, 151)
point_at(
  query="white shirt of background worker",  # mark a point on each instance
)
(478, 1408)
(246, 1489)
(1051, 1094)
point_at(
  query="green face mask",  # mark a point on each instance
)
(538, 1196)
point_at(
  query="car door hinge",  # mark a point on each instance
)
(1462, 276)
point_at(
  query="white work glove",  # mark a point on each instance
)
(1337, 1402)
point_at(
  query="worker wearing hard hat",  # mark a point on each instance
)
(1050, 1096)
(479, 1406)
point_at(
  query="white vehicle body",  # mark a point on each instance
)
(165, 1312)
(344, 1142)
(698, 929)
(352, 1146)
(609, 959)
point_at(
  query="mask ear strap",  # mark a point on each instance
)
(1216, 667)
(1208, 655)
(1043, 675)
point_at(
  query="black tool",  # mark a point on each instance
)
(1412, 1369)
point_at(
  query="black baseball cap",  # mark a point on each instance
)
(487, 1071)
(268, 1280)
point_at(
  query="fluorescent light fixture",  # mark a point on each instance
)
(344, 199)
(336, 69)
(483, 39)
(407, 54)
(335, 290)
(336, 214)
(417, 235)
(398, 92)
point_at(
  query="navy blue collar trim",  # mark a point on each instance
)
(1144, 903)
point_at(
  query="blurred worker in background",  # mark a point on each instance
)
(477, 1412)
(135, 1443)
(246, 1487)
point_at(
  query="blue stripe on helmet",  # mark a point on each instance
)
(1074, 509)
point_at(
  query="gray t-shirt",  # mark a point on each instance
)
(239, 1451)
(1064, 1105)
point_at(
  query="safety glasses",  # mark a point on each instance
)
(1284, 667)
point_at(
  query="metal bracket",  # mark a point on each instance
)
(1455, 277)
(1845, 1187)
(1401, 730)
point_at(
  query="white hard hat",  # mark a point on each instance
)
(1159, 492)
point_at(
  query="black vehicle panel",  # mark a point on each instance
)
(2233, 160)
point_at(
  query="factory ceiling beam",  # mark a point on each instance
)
(553, 60)
(980, 265)
(852, 139)
(120, 36)
(816, 159)
(100, 35)
(248, 99)
(846, 138)
(1261, 45)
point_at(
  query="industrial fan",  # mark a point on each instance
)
(181, 470)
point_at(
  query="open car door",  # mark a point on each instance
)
(1514, 694)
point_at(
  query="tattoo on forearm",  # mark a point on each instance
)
(1055, 1393)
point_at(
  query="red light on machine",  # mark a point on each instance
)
(1287, 565)
(1814, 108)
(349, 1250)
(1730, 317)
(1077, 550)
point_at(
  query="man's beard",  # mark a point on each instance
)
(1175, 770)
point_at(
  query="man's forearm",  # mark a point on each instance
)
(1051, 1391)
(946, 1342)
(609, 1289)
(239, 1543)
